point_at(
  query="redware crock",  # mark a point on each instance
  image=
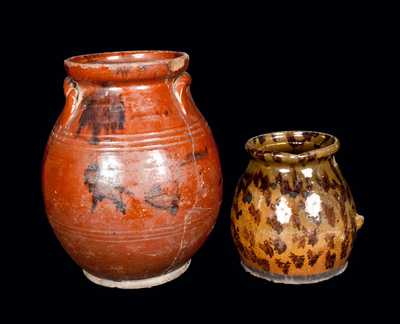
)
(293, 217)
(131, 174)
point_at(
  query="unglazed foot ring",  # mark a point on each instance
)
(141, 283)
(295, 280)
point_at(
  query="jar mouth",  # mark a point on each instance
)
(292, 146)
(126, 65)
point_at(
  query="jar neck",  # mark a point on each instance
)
(292, 147)
(130, 66)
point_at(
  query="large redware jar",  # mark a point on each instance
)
(131, 174)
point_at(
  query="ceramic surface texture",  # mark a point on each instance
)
(131, 174)
(293, 216)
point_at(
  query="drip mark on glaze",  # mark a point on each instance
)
(298, 184)
(198, 155)
(330, 260)
(296, 220)
(324, 182)
(101, 112)
(279, 245)
(298, 260)
(330, 240)
(264, 186)
(330, 214)
(275, 224)
(313, 258)
(101, 188)
(264, 263)
(262, 182)
(244, 181)
(257, 178)
(255, 213)
(267, 248)
(252, 239)
(248, 253)
(159, 199)
(312, 237)
(283, 265)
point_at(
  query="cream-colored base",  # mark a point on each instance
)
(138, 284)
(295, 280)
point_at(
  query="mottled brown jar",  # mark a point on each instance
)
(293, 216)
(131, 174)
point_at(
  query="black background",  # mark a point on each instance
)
(251, 74)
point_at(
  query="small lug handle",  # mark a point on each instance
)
(359, 221)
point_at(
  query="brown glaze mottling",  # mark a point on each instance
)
(330, 259)
(298, 260)
(330, 240)
(284, 266)
(330, 214)
(279, 245)
(294, 200)
(267, 248)
(313, 258)
(312, 237)
(275, 224)
(131, 179)
(255, 213)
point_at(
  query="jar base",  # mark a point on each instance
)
(295, 280)
(141, 283)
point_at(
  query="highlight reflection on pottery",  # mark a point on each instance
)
(293, 217)
(131, 175)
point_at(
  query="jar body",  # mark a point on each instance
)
(131, 177)
(294, 222)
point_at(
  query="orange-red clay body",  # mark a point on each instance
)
(131, 175)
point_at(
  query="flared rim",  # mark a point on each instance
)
(126, 65)
(292, 146)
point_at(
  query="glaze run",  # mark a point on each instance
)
(101, 112)
(157, 198)
(131, 178)
(293, 213)
(102, 189)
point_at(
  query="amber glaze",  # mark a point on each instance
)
(293, 216)
(131, 175)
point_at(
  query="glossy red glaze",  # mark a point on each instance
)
(131, 175)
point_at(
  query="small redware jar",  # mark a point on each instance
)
(131, 174)
(293, 217)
